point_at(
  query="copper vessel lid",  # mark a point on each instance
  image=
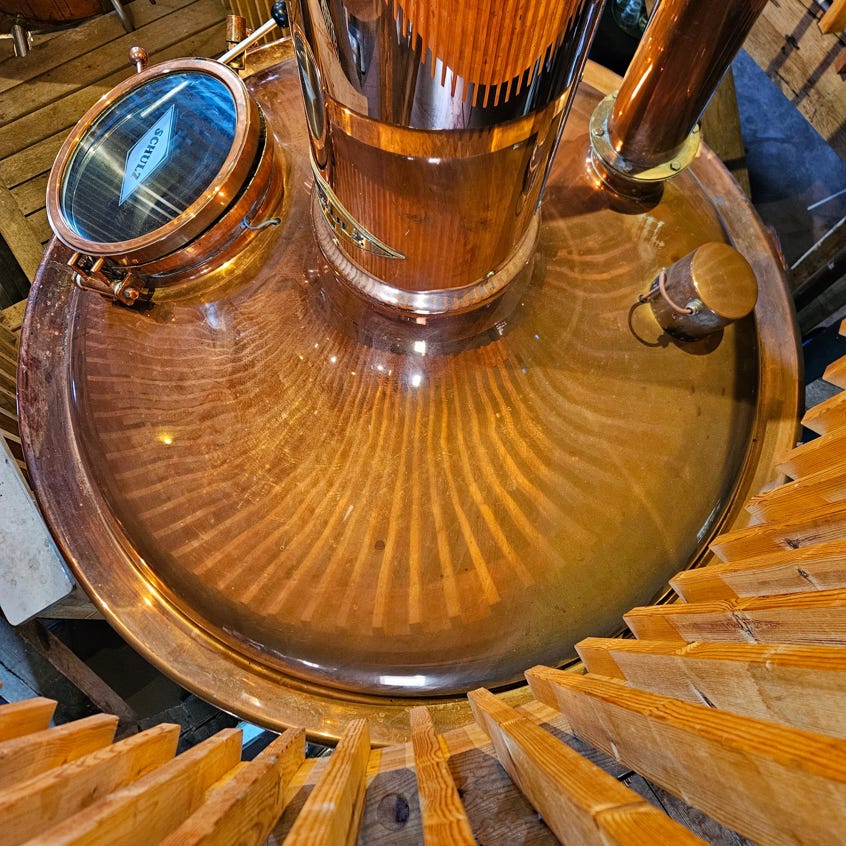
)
(305, 511)
(155, 162)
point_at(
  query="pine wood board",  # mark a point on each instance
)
(20, 718)
(768, 782)
(823, 453)
(808, 568)
(800, 686)
(783, 503)
(787, 44)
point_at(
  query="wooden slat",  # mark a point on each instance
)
(826, 416)
(444, 819)
(783, 503)
(245, 809)
(834, 20)
(787, 44)
(28, 756)
(577, 800)
(46, 800)
(15, 231)
(20, 718)
(835, 373)
(768, 782)
(332, 813)
(817, 618)
(815, 456)
(801, 686)
(818, 525)
(150, 808)
(809, 568)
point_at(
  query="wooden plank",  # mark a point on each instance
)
(332, 813)
(817, 455)
(76, 671)
(801, 686)
(817, 618)
(202, 28)
(783, 503)
(787, 44)
(826, 416)
(771, 783)
(834, 20)
(109, 59)
(578, 801)
(835, 373)
(722, 133)
(20, 718)
(15, 231)
(35, 159)
(40, 225)
(444, 819)
(809, 568)
(42, 802)
(30, 195)
(81, 40)
(148, 809)
(818, 525)
(25, 757)
(245, 808)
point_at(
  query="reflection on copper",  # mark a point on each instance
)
(686, 49)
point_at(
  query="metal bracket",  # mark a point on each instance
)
(124, 290)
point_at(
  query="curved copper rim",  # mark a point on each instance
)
(205, 209)
(268, 697)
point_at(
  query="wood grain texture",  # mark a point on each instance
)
(817, 618)
(20, 718)
(574, 797)
(44, 801)
(245, 808)
(820, 454)
(444, 819)
(149, 808)
(827, 416)
(332, 813)
(808, 568)
(28, 756)
(818, 525)
(783, 503)
(787, 44)
(800, 686)
(766, 781)
(834, 20)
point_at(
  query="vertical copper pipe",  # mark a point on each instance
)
(686, 49)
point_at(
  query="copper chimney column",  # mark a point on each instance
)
(431, 126)
(647, 132)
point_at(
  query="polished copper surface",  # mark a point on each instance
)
(408, 117)
(684, 52)
(305, 510)
(204, 211)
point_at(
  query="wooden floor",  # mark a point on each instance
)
(43, 94)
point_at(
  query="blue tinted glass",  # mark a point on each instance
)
(148, 157)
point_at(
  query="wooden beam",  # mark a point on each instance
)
(245, 808)
(444, 819)
(148, 809)
(20, 718)
(783, 503)
(818, 525)
(834, 20)
(808, 568)
(38, 804)
(332, 813)
(826, 416)
(817, 618)
(800, 686)
(578, 801)
(28, 756)
(835, 373)
(817, 455)
(770, 783)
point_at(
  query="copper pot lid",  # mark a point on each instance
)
(155, 162)
(306, 512)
